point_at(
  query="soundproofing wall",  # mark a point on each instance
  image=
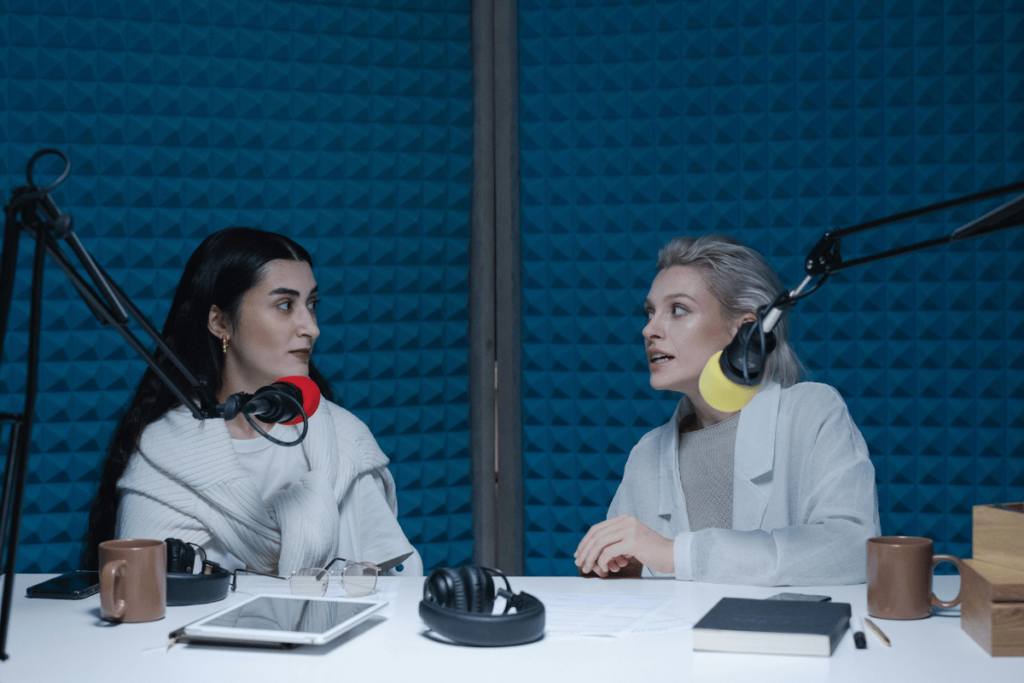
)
(772, 122)
(346, 126)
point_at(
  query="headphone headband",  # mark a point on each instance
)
(457, 604)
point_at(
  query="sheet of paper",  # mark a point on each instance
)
(610, 615)
(673, 614)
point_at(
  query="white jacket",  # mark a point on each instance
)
(804, 497)
(186, 482)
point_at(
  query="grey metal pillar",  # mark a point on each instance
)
(494, 299)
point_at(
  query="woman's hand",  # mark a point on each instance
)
(608, 546)
(633, 569)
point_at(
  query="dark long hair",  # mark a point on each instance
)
(220, 271)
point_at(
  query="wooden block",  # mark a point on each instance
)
(1002, 584)
(999, 534)
(998, 626)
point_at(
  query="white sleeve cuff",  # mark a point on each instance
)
(681, 556)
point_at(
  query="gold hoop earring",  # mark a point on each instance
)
(225, 345)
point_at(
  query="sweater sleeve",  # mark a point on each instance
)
(369, 528)
(369, 509)
(833, 511)
(141, 516)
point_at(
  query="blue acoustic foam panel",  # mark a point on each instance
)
(348, 128)
(772, 122)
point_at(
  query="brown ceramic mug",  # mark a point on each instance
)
(900, 577)
(133, 580)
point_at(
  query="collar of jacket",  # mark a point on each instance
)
(753, 461)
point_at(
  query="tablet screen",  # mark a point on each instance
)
(267, 613)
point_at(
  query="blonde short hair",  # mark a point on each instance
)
(742, 281)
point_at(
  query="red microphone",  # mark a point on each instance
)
(309, 396)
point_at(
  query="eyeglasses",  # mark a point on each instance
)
(357, 578)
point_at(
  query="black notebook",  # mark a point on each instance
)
(772, 627)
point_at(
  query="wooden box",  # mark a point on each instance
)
(992, 607)
(999, 534)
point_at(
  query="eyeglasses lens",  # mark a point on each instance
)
(310, 581)
(359, 578)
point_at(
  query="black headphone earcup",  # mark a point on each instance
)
(458, 600)
(489, 593)
(180, 556)
(474, 580)
(435, 588)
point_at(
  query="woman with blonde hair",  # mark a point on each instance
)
(781, 492)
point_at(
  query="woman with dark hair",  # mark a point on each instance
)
(780, 492)
(243, 316)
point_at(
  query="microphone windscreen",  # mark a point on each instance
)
(310, 396)
(719, 391)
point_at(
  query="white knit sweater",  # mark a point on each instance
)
(186, 482)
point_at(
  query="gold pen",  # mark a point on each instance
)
(877, 631)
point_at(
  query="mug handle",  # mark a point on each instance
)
(110, 578)
(936, 559)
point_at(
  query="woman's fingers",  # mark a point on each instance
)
(586, 544)
(608, 533)
(607, 557)
(609, 545)
(596, 540)
(614, 538)
(593, 532)
(617, 563)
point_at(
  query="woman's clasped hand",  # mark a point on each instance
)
(608, 547)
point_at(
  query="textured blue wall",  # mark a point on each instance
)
(347, 128)
(773, 121)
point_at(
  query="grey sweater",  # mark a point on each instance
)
(705, 472)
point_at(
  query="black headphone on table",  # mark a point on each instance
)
(186, 588)
(457, 604)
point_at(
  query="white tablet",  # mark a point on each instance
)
(292, 619)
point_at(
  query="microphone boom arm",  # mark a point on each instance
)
(118, 311)
(744, 359)
(825, 258)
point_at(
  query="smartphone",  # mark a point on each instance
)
(800, 597)
(71, 586)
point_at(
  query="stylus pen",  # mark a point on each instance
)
(858, 633)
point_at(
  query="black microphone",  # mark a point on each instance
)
(732, 376)
(275, 403)
(283, 401)
(743, 360)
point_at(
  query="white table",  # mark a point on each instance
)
(65, 641)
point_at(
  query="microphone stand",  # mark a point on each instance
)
(32, 210)
(826, 259)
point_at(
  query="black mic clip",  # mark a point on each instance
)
(279, 402)
(234, 404)
(825, 256)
